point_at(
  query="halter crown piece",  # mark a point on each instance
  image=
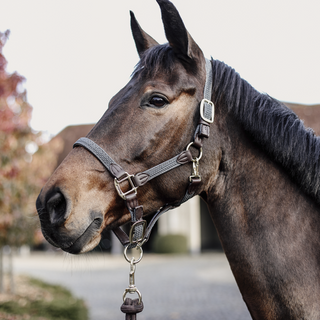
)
(139, 232)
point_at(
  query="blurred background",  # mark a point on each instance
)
(60, 63)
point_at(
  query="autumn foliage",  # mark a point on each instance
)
(22, 172)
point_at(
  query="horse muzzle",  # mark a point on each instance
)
(64, 231)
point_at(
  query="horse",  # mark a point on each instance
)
(247, 155)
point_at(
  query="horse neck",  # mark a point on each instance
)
(269, 231)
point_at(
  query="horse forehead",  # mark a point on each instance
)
(176, 76)
(160, 86)
(171, 83)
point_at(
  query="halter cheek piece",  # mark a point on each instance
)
(139, 232)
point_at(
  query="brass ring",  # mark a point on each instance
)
(134, 261)
(200, 152)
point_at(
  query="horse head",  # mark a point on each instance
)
(152, 119)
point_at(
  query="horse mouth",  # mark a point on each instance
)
(88, 240)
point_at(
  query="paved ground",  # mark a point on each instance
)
(173, 287)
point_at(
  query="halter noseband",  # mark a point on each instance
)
(139, 232)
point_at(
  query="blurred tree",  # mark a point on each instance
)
(22, 170)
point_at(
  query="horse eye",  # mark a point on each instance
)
(158, 101)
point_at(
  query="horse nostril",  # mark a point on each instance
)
(56, 207)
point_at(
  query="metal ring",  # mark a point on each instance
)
(200, 150)
(134, 261)
(128, 290)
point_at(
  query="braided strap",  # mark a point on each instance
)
(96, 150)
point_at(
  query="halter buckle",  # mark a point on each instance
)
(207, 110)
(137, 232)
(118, 188)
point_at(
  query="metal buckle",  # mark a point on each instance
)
(132, 231)
(118, 188)
(195, 164)
(203, 104)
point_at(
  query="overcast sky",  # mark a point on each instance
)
(76, 54)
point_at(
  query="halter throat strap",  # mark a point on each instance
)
(139, 233)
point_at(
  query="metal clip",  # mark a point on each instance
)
(132, 287)
(195, 171)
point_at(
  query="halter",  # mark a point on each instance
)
(140, 232)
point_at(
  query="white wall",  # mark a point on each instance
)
(184, 220)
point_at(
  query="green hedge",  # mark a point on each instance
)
(170, 243)
(63, 306)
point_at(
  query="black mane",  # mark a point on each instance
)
(273, 126)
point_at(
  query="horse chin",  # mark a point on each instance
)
(88, 240)
(86, 248)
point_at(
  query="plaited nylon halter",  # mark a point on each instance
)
(139, 233)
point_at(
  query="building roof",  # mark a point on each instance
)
(310, 114)
(70, 135)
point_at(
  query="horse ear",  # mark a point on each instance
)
(177, 35)
(142, 40)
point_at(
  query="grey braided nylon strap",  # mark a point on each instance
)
(208, 86)
(207, 111)
(106, 160)
(186, 197)
(155, 218)
(96, 150)
(162, 167)
(163, 210)
(138, 233)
